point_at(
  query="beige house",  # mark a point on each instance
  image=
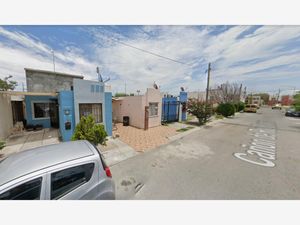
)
(144, 111)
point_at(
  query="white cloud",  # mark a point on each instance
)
(265, 54)
(21, 51)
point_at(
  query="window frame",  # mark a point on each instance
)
(101, 110)
(49, 185)
(24, 181)
(157, 109)
(33, 111)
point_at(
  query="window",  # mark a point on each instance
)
(65, 181)
(41, 110)
(97, 88)
(28, 191)
(93, 109)
(153, 109)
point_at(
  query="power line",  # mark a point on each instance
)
(149, 52)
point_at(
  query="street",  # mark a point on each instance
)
(219, 162)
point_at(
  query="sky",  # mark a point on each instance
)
(262, 58)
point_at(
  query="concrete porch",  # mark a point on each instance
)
(30, 139)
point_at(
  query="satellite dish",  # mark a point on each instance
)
(182, 88)
(155, 85)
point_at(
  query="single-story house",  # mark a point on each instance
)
(151, 109)
(144, 111)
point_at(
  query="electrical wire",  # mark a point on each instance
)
(151, 53)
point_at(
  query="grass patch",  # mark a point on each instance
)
(218, 116)
(190, 117)
(184, 129)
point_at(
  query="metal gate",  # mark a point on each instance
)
(170, 111)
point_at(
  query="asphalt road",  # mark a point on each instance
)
(251, 156)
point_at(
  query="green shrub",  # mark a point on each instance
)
(2, 144)
(226, 109)
(218, 116)
(87, 129)
(239, 106)
(200, 110)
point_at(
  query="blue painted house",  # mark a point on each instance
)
(69, 98)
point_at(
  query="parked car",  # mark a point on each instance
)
(68, 171)
(250, 108)
(292, 112)
(276, 106)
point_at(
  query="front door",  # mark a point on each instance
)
(146, 123)
(17, 110)
(53, 111)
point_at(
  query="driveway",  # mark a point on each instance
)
(30, 139)
(142, 140)
(204, 164)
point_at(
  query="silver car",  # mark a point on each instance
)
(71, 170)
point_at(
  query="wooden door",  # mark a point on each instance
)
(146, 124)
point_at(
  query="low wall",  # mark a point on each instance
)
(6, 118)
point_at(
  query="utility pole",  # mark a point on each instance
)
(125, 87)
(278, 95)
(53, 59)
(207, 88)
(207, 92)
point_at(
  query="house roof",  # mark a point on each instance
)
(17, 93)
(54, 73)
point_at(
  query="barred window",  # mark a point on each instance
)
(41, 110)
(153, 109)
(91, 109)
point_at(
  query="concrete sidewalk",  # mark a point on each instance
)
(116, 151)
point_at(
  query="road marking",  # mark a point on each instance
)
(262, 147)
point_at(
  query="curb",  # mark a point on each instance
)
(181, 135)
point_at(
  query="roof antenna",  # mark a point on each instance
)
(99, 75)
(100, 79)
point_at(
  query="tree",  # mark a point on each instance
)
(87, 129)
(120, 94)
(296, 101)
(7, 85)
(227, 92)
(199, 109)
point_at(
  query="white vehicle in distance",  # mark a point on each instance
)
(276, 106)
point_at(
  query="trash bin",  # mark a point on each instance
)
(125, 120)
